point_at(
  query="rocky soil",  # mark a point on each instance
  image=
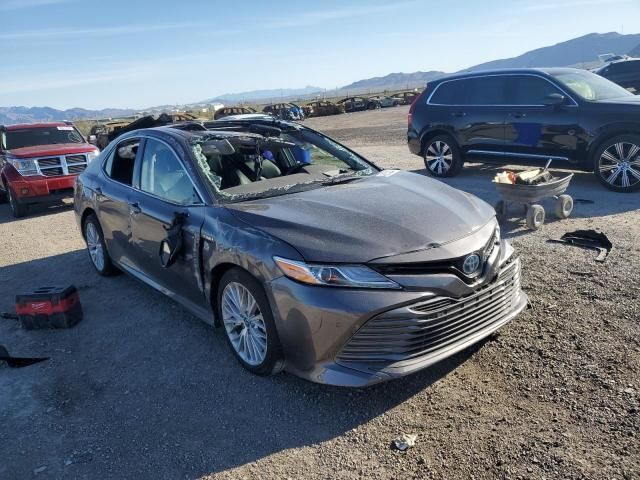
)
(141, 389)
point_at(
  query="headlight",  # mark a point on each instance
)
(354, 276)
(25, 167)
(92, 155)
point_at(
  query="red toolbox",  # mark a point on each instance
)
(49, 307)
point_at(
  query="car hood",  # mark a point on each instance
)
(384, 215)
(626, 100)
(57, 149)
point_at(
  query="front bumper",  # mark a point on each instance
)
(360, 337)
(40, 189)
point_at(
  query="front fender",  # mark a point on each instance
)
(228, 240)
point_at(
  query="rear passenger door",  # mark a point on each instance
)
(535, 130)
(475, 109)
(165, 189)
(114, 196)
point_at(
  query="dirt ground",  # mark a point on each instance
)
(142, 389)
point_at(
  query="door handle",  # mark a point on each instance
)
(134, 208)
(519, 115)
(459, 114)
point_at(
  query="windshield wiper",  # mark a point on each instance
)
(341, 179)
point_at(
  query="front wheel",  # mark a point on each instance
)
(248, 322)
(17, 209)
(617, 163)
(442, 157)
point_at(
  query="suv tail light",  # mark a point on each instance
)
(413, 105)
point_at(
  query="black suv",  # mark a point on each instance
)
(625, 72)
(559, 113)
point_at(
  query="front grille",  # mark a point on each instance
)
(49, 162)
(71, 159)
(76, 168)
(52, 172)
(432, 325)
(64, 165)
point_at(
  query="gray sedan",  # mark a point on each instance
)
(309, 257)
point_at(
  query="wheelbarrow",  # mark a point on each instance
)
(529, 195)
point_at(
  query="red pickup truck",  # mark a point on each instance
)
(39, 163)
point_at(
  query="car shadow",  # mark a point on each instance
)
(591, 198)
(142, 389)
(35, 211)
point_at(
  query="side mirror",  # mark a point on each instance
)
(554, 99)
(93, 140)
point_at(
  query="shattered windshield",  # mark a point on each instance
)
(253, 165)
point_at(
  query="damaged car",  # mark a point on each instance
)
(306, 255)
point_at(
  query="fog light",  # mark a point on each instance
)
(24, 191)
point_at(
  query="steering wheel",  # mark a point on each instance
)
(297, 168)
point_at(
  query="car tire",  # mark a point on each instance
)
(442, 157)
(97, 248)
(616, 163)
(247, 320)
(18, 210)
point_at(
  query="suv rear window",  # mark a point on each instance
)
(33, 137)
(490, 90)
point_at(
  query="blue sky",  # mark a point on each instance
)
(135, 53)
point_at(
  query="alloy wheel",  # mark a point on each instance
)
(439, 157)
(619, 165)
(94, 245)
(244, 323)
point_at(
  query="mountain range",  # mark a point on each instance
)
(581, 51)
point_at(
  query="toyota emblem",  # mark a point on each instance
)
(471, 264)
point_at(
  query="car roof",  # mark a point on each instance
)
(22, 126)
(190, 134)
(506, 71)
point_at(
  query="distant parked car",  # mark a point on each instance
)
(100, 133)
(358, 104)
(322, 108)
(385, 102)
(227, 111)
(407, 98)
(625, 72)
(284, 111)
(563, 114)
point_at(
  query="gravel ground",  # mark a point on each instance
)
(141, 389)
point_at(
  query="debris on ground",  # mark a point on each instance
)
(404, 441)
(17, 362)
(589, 239)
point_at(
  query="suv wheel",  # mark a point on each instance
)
(17, 209)
(244, 311)
(96, 247)
(617, 163)
(442, 157)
